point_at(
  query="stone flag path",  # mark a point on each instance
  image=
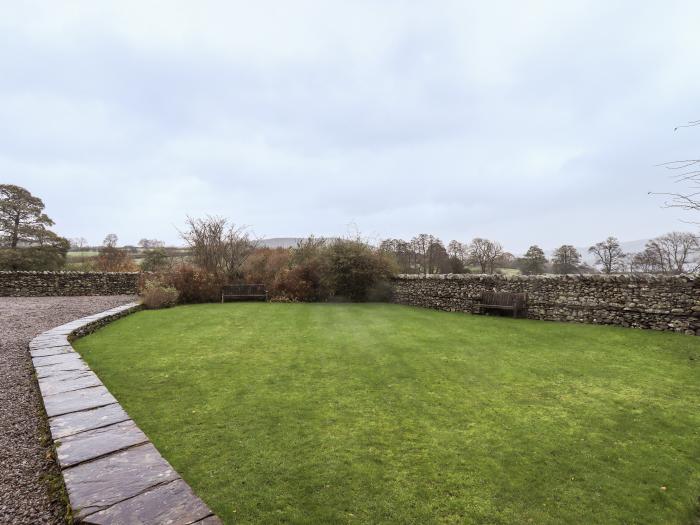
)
(28, 473)
(112, 472)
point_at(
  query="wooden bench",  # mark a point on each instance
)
(243, 292)
(502, 301)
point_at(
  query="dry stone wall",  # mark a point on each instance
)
(644, 301)
(33, 284)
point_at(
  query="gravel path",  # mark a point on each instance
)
(26, 465)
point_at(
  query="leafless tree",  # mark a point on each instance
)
(110, 240)
(684, 172)
(485, 253)
(438, 260)
(457, 250)
(609, 256)
(401, 251)
(217, 246)
(78, 243)
(672, 253)
(420, 245)
(566, 259)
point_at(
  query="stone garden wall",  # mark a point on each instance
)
(644, 301)
(31, 284)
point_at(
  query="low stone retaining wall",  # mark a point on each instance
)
(643, 301)
(34, 284)
(112, 472)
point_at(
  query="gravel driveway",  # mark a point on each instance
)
(26, 466)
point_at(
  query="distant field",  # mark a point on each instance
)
(80, 255)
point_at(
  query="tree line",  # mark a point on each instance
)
(28, 243)
(672, 253)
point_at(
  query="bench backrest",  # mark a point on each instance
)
(504, 299)
(243, 289)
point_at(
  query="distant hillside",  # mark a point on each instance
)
(280, 242)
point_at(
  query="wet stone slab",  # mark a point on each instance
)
(69, 424)
(97, 485)
(92, 444)
(172, 503)
(48, 343)
(52, 350)
(65, 375)
(60, 369)
(66, 357)
(50, 386)
(77, 400)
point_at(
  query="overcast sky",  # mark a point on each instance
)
(525, 122)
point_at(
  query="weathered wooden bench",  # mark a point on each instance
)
(243, 292)
(502, 301)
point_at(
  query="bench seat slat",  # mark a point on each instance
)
(517, 302)
(243, 291)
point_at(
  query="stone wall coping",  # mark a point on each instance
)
(645, 277)
(112, 472)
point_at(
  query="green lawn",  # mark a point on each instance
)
(329, 413)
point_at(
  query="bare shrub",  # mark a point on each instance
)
(194, 284)
(217, 247)
(354, 271)
(300, 283)
(264, 265)
(155, 295)
(113, 259)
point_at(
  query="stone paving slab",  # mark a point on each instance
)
(76, 400)
(53, 350)
(66, 357)
(62, 368)
(99, 484)
(112, 473)
(92, 444)
(173, 503)
(53, 385)
(65, 375)
(75, 422)
(48, 343)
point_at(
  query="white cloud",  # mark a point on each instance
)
(529, 122)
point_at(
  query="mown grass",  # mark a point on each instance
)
(328, 413)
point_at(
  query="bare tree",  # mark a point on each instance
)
(485, 253)
(420, 245)
(402, 253)
(110, 240)
(684, 172)
(438, 260)
(78, 243)
(217, 246)
(609, 256)
(457, 250)
(645, 262)
(672, 253)
(566, 259)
